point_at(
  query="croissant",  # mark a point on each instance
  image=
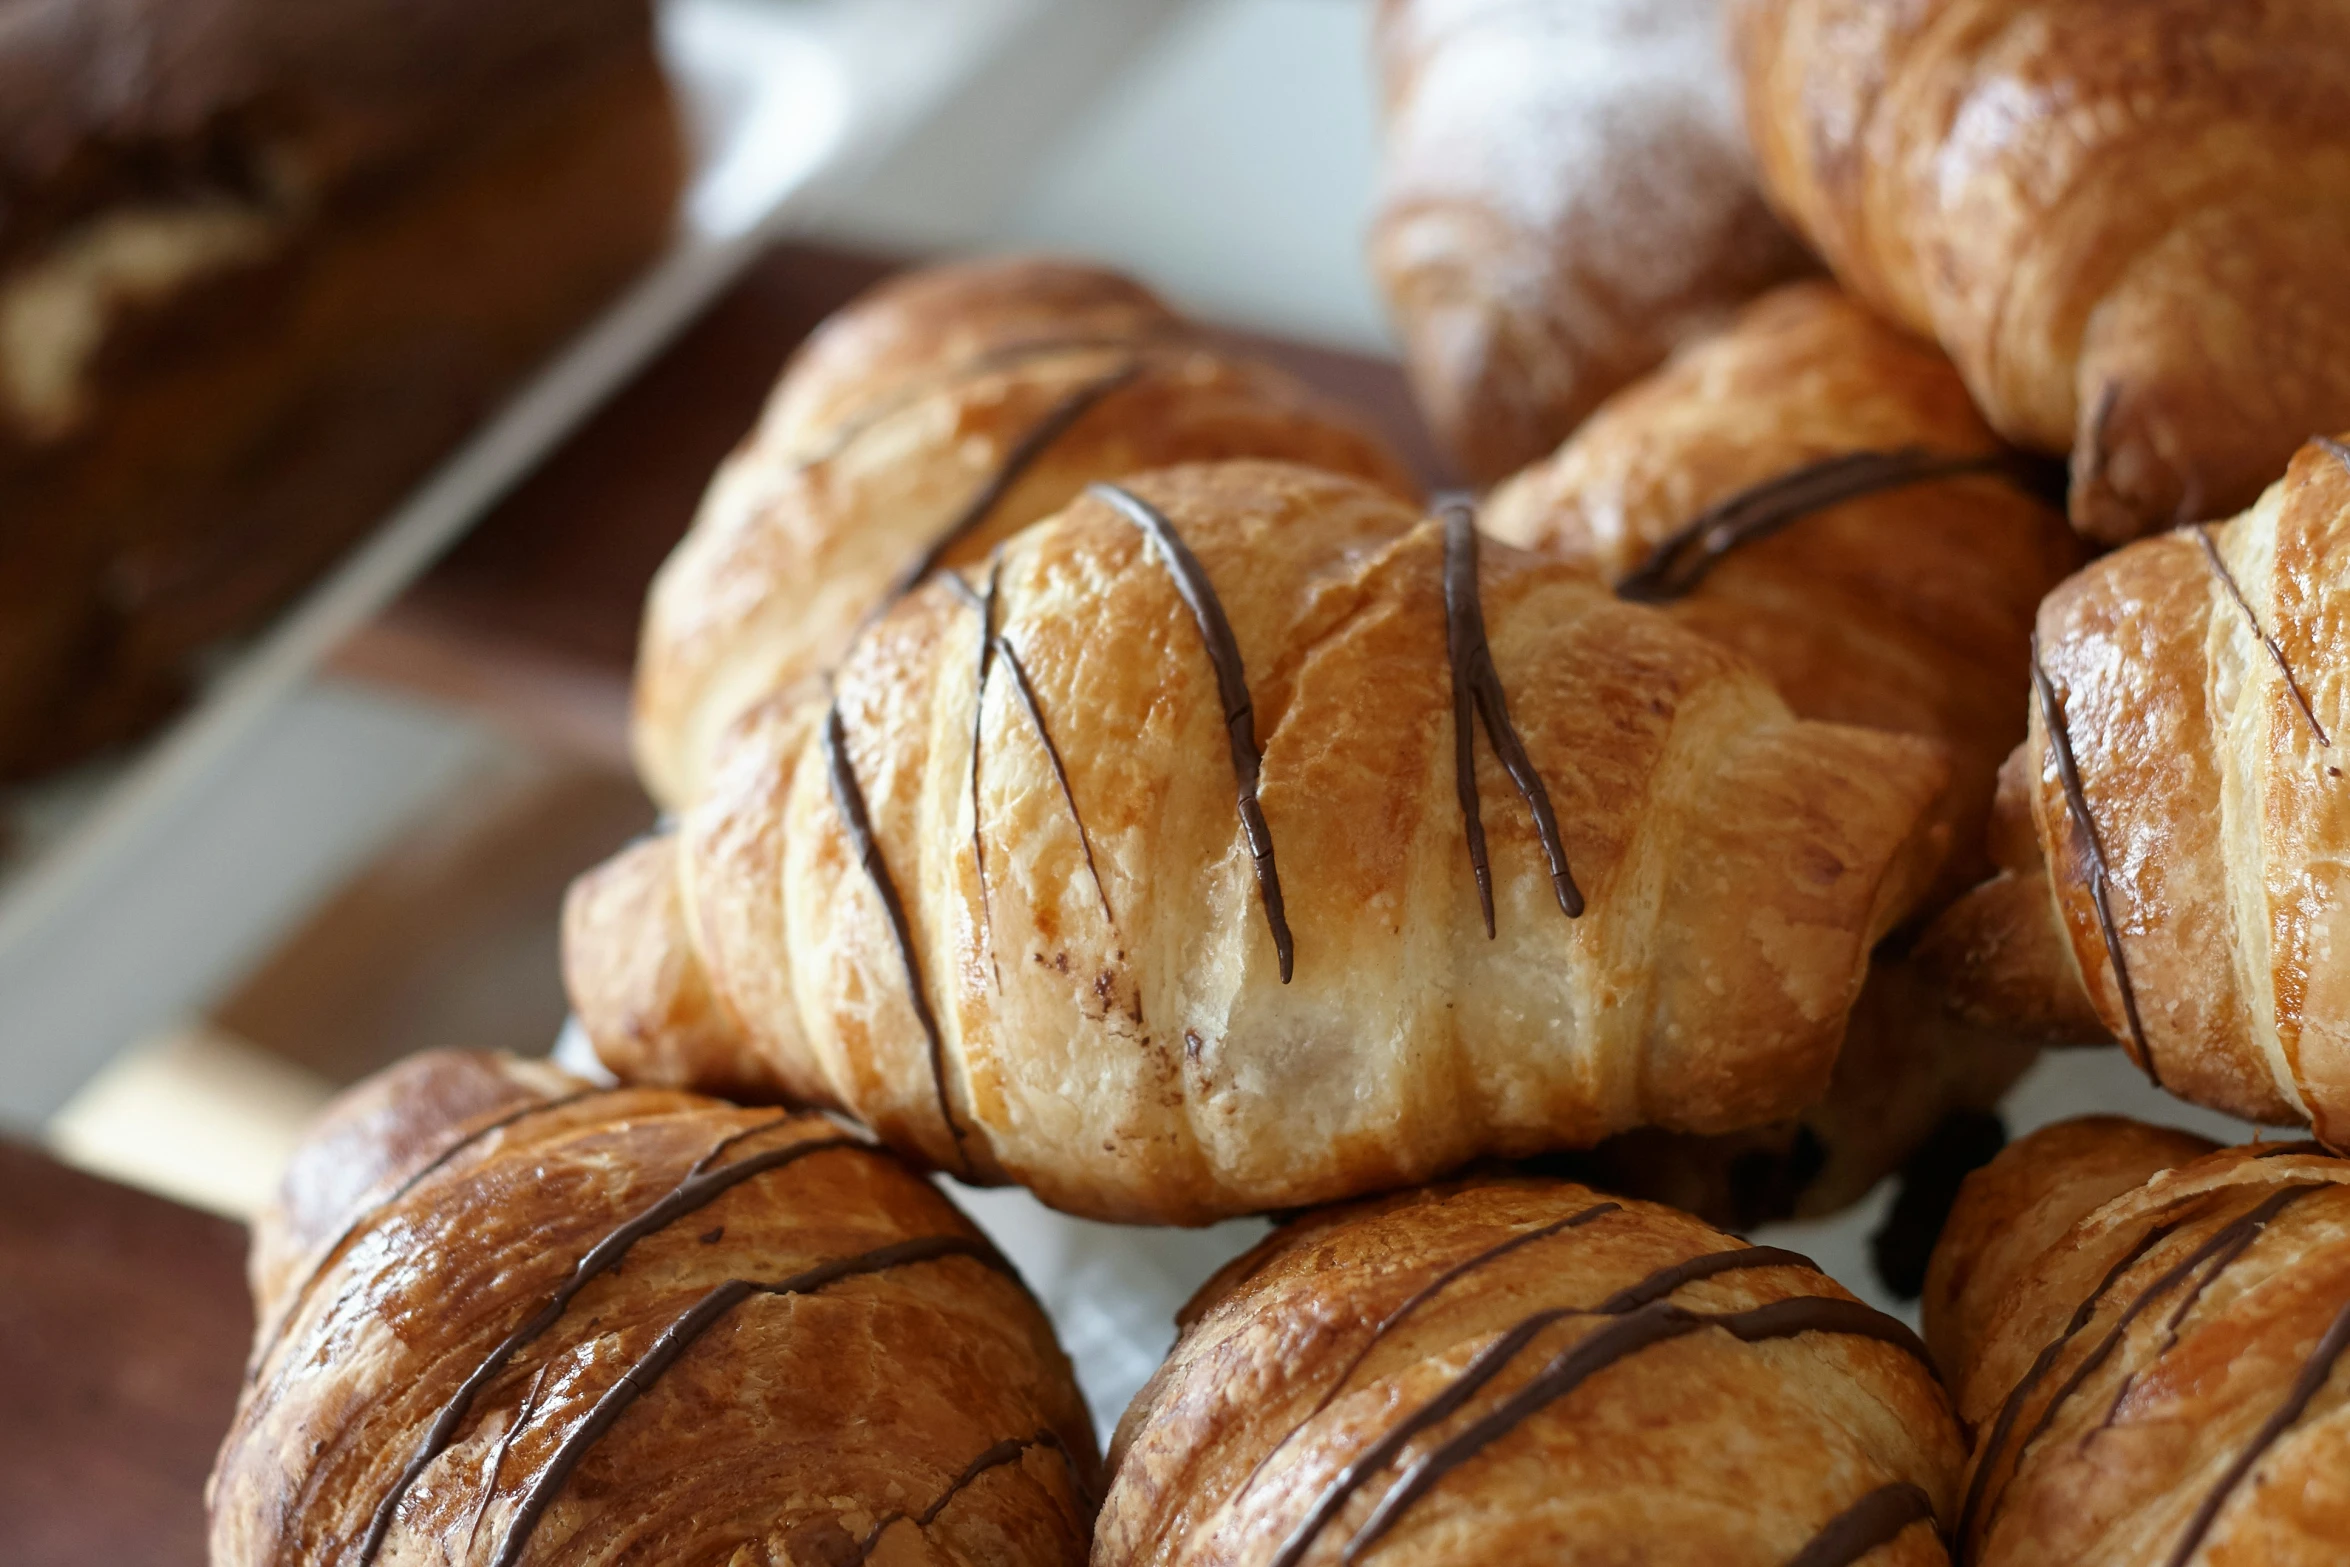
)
(1813, 488)
(1520, 1370)
(938, 414)
(1163, 870)
(2174, 833)
(506, 1317)
(2146, 1337)
(1565, 196)
(2123, 218)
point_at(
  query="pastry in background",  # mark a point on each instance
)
(262, 262)
(1523, 1370)
(1813, 488)
(2148, 1340)
(2174, 832)
(1234, 840)
(508, 1317)
(2125, 219)
(933, 417)
(1566, 196)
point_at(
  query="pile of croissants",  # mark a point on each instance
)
(1093, 762)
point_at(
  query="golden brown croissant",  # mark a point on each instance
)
(508, 1318)
(2149, 1346)
(1814, 489)
(1172, 895)
(2175, 831)
(1565, 197)
(1522, 1371)
(940, 413)
(2125, 219)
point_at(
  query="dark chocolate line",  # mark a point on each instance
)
(371, 1211)
(1412, 1303)
(1035, 710)
(992, 647)
(2221, 1260)
(1476, 683)
(1623, 1337)
(1489, 1362)
(985, 605)
(2216, 1242)
(1056, 422)
(1874, 1520)
(489, 1483)
(2314, 1372)
(1683, 557)
(1009, 1451)
(1240, 725)
(2219, 569)
(2012, 1407)
(1003, 357)
(700, 1187)
(680, 1335)
(2076, 802)
(849, 797)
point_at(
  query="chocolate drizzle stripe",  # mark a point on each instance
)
(489, 1483)
(1476, 684)
(1874, 1520)
(992, 647)
(2218, 1241)
(2012, 1407)
(1622, 1338)
(849, 797)
(1683, 557)
(1489, 1362)
(1024, 454)
(680, 1335)
(1005, 357)
(2227, 578)
(1009, 1451)
(2314, 1372)
(2076, 801)
(2221, 1260)
(369, 1213)
(1240, 727)
(1412, 1303)
(701, 1186)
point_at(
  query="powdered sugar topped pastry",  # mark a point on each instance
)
(1567, 196)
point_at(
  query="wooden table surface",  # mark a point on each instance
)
(123, 1318)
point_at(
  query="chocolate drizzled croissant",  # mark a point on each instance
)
(1062, 884)
(2151, 1343)
(1813, 488)
(2175, 830)
(2123, 218)
(507, 1318)
(1525, 1370)
(936, 415)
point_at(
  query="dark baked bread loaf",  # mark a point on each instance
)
(261, 263)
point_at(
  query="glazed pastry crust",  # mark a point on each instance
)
(1119, 1037)
(892, 419)
(1524, 241)
(2123, 218)
(2197, 1412)
(2218, 802)
(1700, 1449)
(1907, 609)
(484, 1181)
